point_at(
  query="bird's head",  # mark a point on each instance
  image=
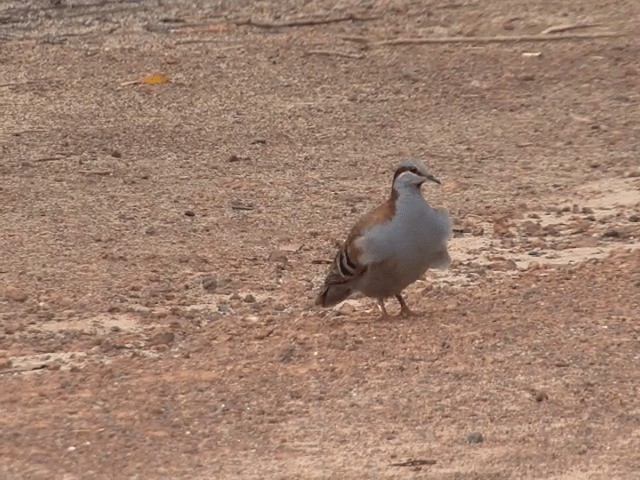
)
(411, 174)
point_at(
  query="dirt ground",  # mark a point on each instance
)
(161, 244)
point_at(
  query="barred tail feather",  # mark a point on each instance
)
(333, 294)
(339, 282)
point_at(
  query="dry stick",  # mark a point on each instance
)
(413, 463)
(496, 39)
(219, 49)
(48, 159)
(305, 22)
(330, 53)
(568, 26)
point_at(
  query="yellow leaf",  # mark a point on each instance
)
(154, 79)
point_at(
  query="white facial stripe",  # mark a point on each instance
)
(408, 174)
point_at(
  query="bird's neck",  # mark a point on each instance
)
(405, 192)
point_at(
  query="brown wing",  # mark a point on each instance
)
(347, 268)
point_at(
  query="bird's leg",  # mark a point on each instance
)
(405, 311)
(384, 315)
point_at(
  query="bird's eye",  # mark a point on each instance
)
(414, 170)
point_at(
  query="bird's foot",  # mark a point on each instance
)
(384, 316)
(405, 311)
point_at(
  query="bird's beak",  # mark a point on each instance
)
(433, 179)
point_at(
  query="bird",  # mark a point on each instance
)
(391, 246)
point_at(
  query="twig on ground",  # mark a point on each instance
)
(99, 173)
(568, 26)
(23, 369)
(496, 39)
(241, 207)
(305, 22)
(48, 159)
(211, 40)
(332, 53)
(413, 463)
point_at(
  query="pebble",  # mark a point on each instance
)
(15, 294)
(209, 283)
(611, 234)
(503, 265)
(278, 256)
(346, 309)
(162, 338)
(531, 228)
(501, 227)
(249, 298)
(540, 396)
(634, 218)
(475, 437)
(190, 213)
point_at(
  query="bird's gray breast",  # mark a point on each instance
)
(414, 238)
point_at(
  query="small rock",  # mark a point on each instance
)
(107, 345)
(116, 154)
(249, 298)
(287, 354)
(15, 294)
(477, 231)
(501, 227)
(162, 338)
(223, 308)
(531, 228)
(279, 307)
(583, 242)
(5, 364)
(540, 396)
(611, 234)
(209, 283)
(259, 141)
(190, 213)
(503, 265)
(151, 230)
(346, 309)
(278, 256)
(475, 437)
(634, 218)
(587, 210)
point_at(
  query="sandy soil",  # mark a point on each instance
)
(161, 245)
